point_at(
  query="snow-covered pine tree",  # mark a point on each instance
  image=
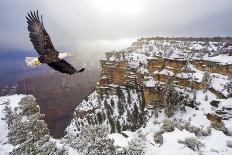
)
(99, 117)
(170, 99)
(29, 131)
(17, 132)
(206, 98)
(194, 97)
(120, 107)
(93, 140)
(173, 100)
(128, 95)
(112, 124)
(108, 107)
(136, 146)
(193, 103)
(206, 80)
(135, 118)
(10, 116)
(229, 87)
(121, 101)
(112, 103)
(28, 105)
(118, 126)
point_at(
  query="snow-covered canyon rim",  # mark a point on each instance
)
(184, 86)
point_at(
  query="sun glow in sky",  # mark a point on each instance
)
(125, 7)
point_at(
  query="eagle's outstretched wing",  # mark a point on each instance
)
(64, 67)
(39, 37)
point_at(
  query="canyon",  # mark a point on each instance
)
(59, 94)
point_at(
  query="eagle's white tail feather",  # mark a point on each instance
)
(32, 61)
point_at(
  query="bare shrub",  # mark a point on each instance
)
(168, 125)
(229, 143)
(192, 143)
(196, 130)
(158, 138)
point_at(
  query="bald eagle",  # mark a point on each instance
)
(43, 45)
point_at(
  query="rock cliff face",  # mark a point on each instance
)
(164, 89)
(146, 68)
(118, 69)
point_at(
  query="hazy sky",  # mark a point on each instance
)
(93, 25)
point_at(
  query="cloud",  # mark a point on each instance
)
(101, 25)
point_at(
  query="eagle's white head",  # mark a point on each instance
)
(63, 55)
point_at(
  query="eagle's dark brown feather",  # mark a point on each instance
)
(39, 37)
(63, 67)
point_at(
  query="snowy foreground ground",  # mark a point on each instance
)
(215, 143)
(5, 148)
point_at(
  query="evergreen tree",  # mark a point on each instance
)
(142, 100)
(108, 107)
(101, 96)
(120, 107)
(17, 132)
(96, 120)
(206, 80)
(140, 119)
(93, 141)
(31, 133)
(112, 124)
(129, 116)
(173, 100)
(28, 106)
(89, 120)
(92, 121)
(136, 146)
(118, 126)
(120, 94)
(129, 96)
(103, 115)
(206, 97)
(10, 116)
(135, 116)
(229, 87)
(195, 97)
(112, 103)
(99, 117)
